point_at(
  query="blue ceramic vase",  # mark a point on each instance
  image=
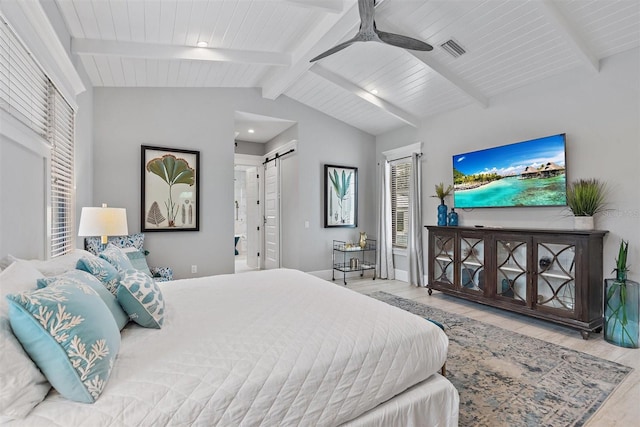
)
(442, 214)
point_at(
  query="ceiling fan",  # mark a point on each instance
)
(368, 33)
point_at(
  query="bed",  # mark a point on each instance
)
(277, 347)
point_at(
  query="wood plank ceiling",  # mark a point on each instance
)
(268, 43)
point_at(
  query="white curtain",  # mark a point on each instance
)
(385, 240)
(414, 243)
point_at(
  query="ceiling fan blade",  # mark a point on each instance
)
(333, 50)
(403, 41)
(339, 47)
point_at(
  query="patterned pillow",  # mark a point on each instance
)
(139, 295)
(138, 260)
(80, 278)
(95, 246)
(116, 257)
(22, 385)
(102, 270)
(71, 336)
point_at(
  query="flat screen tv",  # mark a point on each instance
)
(528, 173)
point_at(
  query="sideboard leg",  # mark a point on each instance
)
(430, 291)
(585, 334)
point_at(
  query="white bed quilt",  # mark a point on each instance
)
(269, 348)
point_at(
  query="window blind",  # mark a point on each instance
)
(61, 136)
(23, 85)
(27, 94)
(400, 174)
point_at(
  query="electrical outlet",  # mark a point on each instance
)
(194, 269)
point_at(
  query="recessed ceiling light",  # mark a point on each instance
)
(202, 44)
(251, 131)
(374, 91)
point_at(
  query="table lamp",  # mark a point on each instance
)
(103, 222)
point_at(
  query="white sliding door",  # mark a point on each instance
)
(272, 215)
(254, 235)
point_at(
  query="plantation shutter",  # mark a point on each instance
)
(61, 136)
(400, 173)
(27, 94)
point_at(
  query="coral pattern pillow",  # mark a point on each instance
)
(116, 257)
(141, 298)
(22, 385)
(102, 270)
(80, 278)
(70, 334)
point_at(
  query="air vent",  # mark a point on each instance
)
(453, 48)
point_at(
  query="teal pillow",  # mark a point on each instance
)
(141, 298)
(138, 260)
(102, 270)
(116, 257)
(79, 278)
(70, 334)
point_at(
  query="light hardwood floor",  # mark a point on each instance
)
(623, 406)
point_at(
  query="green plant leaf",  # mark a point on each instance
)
(172, 170)
(586, 197)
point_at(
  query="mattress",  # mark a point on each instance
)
(276, 347)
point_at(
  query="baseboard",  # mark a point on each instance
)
(401, 275)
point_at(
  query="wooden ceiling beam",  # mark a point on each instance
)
(329, 32)
(173, 52)
(569, 34)
(380, 103)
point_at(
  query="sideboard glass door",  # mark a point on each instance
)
(511, 280)
(556, 286)
(471, 266)
(443, 259)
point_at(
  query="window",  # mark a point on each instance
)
(400, 174)
(27, 94)
(61, 137)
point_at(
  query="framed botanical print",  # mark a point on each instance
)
(340, 196)
(170, 190)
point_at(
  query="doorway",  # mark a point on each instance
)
(247, 214)
(260, 143)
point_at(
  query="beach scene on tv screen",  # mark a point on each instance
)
(529, 173)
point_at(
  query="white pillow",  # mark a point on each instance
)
(57, 265)
(23, 385)
(6, 261)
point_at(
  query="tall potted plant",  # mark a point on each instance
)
(622, 305)
(585, 198)
(442, 193)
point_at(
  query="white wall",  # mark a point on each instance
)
(203, 119)
(23, 179)
(600, 115)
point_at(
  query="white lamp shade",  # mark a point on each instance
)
(103, 222)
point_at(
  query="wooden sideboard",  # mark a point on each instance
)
(555, 275)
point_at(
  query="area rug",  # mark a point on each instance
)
(508, 379)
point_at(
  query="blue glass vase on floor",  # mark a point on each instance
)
(621, 309)
(442, 214)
